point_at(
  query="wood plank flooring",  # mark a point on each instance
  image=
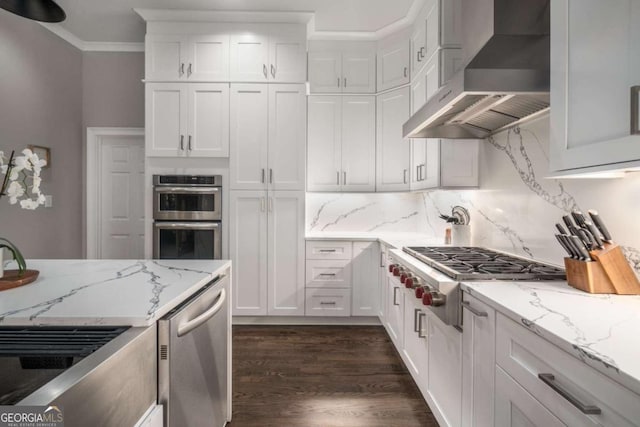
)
(322, 376)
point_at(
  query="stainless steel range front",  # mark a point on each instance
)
(435, 274)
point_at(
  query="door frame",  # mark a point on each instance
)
(95, 136)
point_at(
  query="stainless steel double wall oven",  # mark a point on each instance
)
(187, 214)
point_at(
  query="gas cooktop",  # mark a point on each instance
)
(471, 263)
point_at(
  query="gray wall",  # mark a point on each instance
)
(112, 89)
(41, 104)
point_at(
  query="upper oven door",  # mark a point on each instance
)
(187, 203)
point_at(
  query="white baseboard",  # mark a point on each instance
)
(301, 320)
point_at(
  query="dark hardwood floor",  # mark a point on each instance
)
(322, 376)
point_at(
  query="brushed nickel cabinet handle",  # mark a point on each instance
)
(327, 303)
(327, 250)
(405, 71)
(344, 177)
(189, 143)
(418, 55)
(404, 178)
(263, 175)
(467, 305)
(328, 274)
(420, 326)
(345, 82)
(181, 70)
(337, 177)
(550, 380)
(381, 259)
(394, 295)
(264, 70)
(182, 142)
(635, 110)
(273, 71)
(338, 81)
(270, 176)
(189, 70)
(415, 319)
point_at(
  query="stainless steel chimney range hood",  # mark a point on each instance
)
(506, 79)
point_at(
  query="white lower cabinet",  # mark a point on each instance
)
(382, 282)
(517, 408)
(328, 302)
(394, 321)
(478, 362)
(364, 264)
(415, 338)
(267, 250)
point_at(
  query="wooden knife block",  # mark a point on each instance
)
(608, 273)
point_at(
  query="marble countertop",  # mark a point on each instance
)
(105, 292)
(396, 240)
(600, 330)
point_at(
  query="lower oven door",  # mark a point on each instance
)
(187, 240)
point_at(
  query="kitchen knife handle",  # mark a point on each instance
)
(595, 233)
(577, 217)
(600, 225)
(574, 252)
(564, 245)
(561, 229)
(585, 236)
(582, 250)
(568, 222)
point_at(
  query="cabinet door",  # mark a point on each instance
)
(166, 117)
(287, 136)
(364, 265)
(393, 153)
(249, 134)
(590, 94)
(393, 66)
(287, 57)
(325, 72)
(419, 91)
(418, 39)
(418, 160)
(208, 133)
(324, 143)
(248, 249)
(382, 283)
(414, 350)
(515, 407)
(431, 22)
(359, 72)
(286, 253)
(165, 57)
(445, 369)
(394, 320)
(459, 162)
(478, 363)
(358, 143)
(431, 170)
(208, 58)
(249, 58)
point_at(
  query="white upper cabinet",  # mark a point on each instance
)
(275, 55)
(393, 65)
(440, 22)
(342, 67)
(341, 153)
(324, 143)
(268, 131)
(359, 72)
(595, 63)
(187, 120)
(249, 136)
(393, 153)
(287, 136)
(325, 72)
(250, 58)
(201, 58)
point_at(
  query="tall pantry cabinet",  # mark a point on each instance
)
(237, 91)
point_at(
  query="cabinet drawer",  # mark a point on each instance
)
(321, 249)
(524, 356)
(328, 273)
(328, 302)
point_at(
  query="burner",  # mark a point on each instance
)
(471, 263)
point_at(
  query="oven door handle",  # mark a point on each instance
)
(186, 225)
(195, 190)
(201, 319)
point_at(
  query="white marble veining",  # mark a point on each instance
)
(600, 330)
(105, 292)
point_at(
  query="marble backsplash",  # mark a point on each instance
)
(514, 209)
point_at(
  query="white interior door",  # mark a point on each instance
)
(121, 197)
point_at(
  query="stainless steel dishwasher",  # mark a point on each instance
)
(194, 351)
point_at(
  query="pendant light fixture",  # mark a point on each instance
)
(38, 10)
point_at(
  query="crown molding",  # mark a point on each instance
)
(172, 15)
(308, 18)
(85, 46)
(387, 30)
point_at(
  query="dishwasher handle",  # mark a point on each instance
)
(189, 326)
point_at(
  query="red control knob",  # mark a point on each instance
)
(408, 283)
(419, 292)
(404, 277)
(396, 271)
(427, 298)
(391, 267)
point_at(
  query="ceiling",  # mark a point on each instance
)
(115, 20)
